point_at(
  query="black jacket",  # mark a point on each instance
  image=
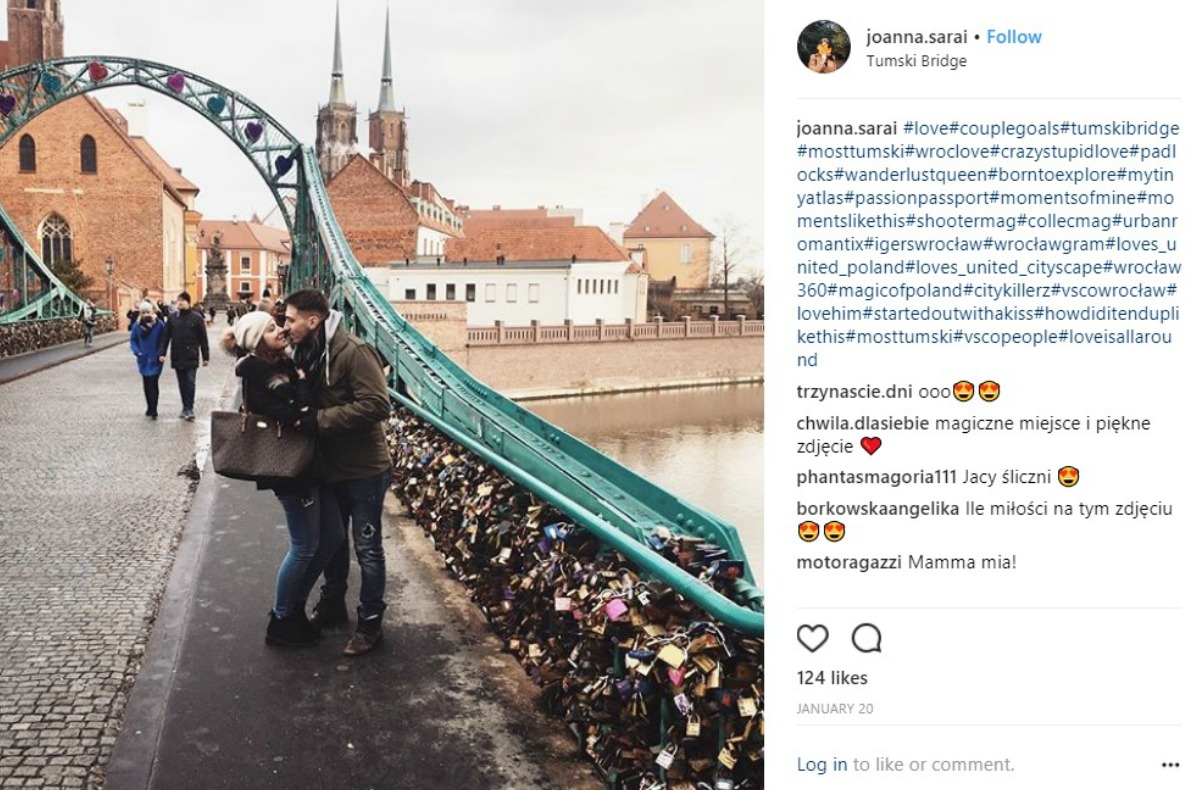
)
(275, 391)
(186, 332)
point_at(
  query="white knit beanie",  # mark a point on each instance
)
(147, 307)
(250, 329)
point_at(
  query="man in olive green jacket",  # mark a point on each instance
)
(347, 378)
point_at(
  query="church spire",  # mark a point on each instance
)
(338, 91)
(387, 103)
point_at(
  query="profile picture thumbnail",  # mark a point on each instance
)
(824, 47)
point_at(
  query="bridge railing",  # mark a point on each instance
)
(619, 506)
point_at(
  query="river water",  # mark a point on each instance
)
(704, 445)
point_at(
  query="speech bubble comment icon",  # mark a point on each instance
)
(866, 638)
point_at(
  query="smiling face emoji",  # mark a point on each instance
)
(808, 531)
(834, 531)
(989, 391)
(1068, 476)
(963, 391)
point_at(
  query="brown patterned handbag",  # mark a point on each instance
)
(248, 446)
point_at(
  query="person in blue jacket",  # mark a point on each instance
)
(144, 337)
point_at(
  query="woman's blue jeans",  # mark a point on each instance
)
(315, 534)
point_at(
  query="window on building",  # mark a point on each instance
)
(684, 256)
(410, 294)
(616, 286)
(534, 292)
(470, 292)
(87, 156)
(510, 293)
(450, 292)
(602, 283)
(28, 154)
(245, 264)
(245, 287)
(489, 292)
(431, 291)
(31, 4)
(56, 240)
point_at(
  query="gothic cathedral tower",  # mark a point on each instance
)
(386, 127)
(34, 31)
(336, 138)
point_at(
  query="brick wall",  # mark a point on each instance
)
(116, 211)
(379, 223)
(587, 368)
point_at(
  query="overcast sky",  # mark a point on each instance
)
(583, 103)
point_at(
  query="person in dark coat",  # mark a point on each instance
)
(351, 393)
(273, 387)
(145, 337)
(186, 338)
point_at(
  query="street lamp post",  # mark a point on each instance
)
(110, 267)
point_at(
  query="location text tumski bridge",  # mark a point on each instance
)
(618, 506)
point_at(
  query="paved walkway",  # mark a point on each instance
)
(93, 499)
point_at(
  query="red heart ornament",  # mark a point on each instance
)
(98, 71)
(176, 82)
(870, 443)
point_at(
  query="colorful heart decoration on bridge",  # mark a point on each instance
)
(176, 82)
(98, 71)
(253, 131)
(283, 164)
(217, 104)
(7, 104)
(52, 83)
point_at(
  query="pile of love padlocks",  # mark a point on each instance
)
(656, 693)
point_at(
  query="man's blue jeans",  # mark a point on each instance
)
(315, 534)
(187, 377)
(361, 503)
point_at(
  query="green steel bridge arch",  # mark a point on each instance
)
(622, 508)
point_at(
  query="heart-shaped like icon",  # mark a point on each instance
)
(7, 104)
(176, 82)
(217, 104)
(98, 71)
(812, 637)
(870, 443)
(51, 83)
(253, 131)
(283, 163)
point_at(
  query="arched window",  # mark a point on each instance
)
(87, 154)
(56, 243)
(28, 154)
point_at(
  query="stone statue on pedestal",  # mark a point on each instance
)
(216, 292)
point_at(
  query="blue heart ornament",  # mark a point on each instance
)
(216, 105)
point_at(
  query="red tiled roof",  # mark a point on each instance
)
(663, 218)
(164, 168)
(240, 235)
(584, 242)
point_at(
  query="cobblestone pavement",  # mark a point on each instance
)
(93, 496)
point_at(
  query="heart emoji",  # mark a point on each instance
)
(7, 104)
(98, 71)
(812, 637)
(176, 82)
(217, 104)
(283, 163)
(253, 131)
(51, 83)
(870, 443)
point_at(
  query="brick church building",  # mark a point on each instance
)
(83, 185)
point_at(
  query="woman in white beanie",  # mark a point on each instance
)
(275, 388)
(144, 336)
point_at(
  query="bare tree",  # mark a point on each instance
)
(730, 251)
(752, 284)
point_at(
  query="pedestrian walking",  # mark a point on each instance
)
(275, 388)
(87, 316)
(145, 338)
(351, 395)
(186, 339)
